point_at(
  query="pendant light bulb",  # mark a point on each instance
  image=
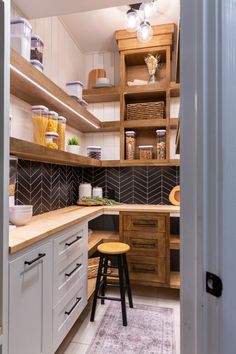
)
(132, 20)
(145, 31)
(147, 7)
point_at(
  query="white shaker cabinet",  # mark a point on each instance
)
(30, 303)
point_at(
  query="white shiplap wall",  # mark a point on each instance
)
(63, 62)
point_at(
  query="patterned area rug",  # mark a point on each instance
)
(150, 330)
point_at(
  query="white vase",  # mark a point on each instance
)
(73, 149)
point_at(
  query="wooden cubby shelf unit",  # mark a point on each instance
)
(133, 67)
(35, 88)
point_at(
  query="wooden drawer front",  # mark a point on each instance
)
(150, 244)
(144, 222)
(149, 269)
(68, 310)
(70, 241)
(67, 273)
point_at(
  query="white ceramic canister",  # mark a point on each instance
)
(85, 190)
(97, 192)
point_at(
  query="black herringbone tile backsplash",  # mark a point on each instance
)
(49, 187)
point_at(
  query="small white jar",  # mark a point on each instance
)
(97, 192)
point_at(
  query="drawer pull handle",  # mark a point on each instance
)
(144, 245)
(153, 224)
(78, 299)
(78, 265)
(72, 242)
(40, 255)
(147, 270)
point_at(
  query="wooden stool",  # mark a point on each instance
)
(112, 249)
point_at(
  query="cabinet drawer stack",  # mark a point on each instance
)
(70, 280)
(148, 236)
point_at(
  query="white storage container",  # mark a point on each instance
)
(75, 88)
(21, 36)
(97, 192)
(85, 190)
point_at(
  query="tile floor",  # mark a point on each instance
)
(81, 335)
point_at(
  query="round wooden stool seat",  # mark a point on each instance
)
(113, 248)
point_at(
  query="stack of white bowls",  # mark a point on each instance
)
(20, 215)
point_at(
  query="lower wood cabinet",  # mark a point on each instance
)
(149, 257)
(30, 302)
(48, 291)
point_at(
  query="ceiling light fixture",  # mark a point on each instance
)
(52, 96)
(132, 20)
(145, 31)
(137, 19)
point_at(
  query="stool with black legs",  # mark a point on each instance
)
(107, 250)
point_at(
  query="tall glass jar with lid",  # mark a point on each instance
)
(40, 123)
(61, 130)
(130, 142)
(161, 144)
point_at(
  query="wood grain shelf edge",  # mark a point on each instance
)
(174, 280)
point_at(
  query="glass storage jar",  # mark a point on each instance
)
(94, 152)
(40, 123)
(145, 152)
(130, 142)
(52, 121)
(52, 140)
(161, 144)
(37, 46)
(61, 130)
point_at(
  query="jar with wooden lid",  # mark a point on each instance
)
(52, 140)
(130, 140)
(161, 144)
(145, 152)
(40, 123)
(61, 130)
(52, 121)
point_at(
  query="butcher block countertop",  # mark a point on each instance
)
(45, 225)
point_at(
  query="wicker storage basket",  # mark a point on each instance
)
(93, 267)
(148, 110)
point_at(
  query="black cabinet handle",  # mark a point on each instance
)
(77, 266)
(40, 255)
(73, 307)
(71, 243)
(144, 245)
(144, 223)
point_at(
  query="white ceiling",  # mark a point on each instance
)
(94, 30)
(47, 8)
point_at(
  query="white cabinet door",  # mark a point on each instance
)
(30, 303)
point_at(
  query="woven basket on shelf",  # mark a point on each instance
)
(147, 110)
(93, 267)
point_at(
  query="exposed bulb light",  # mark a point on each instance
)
(147, 7)
(145, 31)
(132, 20)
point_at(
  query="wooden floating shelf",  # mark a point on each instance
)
(146, 123)
(174, 242)
(139, 163)
(30, 151)
(174, 89)
(112, 126)
(174, 123)
(99, 95)
(35, 88)
(99, 237)
(91, 287)
(174, 280)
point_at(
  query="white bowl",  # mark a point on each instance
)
(20, 219)
(73, 149)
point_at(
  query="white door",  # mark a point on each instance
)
(208, 172)
(30, 302)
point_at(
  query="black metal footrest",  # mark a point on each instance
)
(110, 275)
(108, 298)
(112, 285)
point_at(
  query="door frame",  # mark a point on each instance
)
(208, 174)
(4, 164)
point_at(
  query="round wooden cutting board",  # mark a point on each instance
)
(174, 196)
